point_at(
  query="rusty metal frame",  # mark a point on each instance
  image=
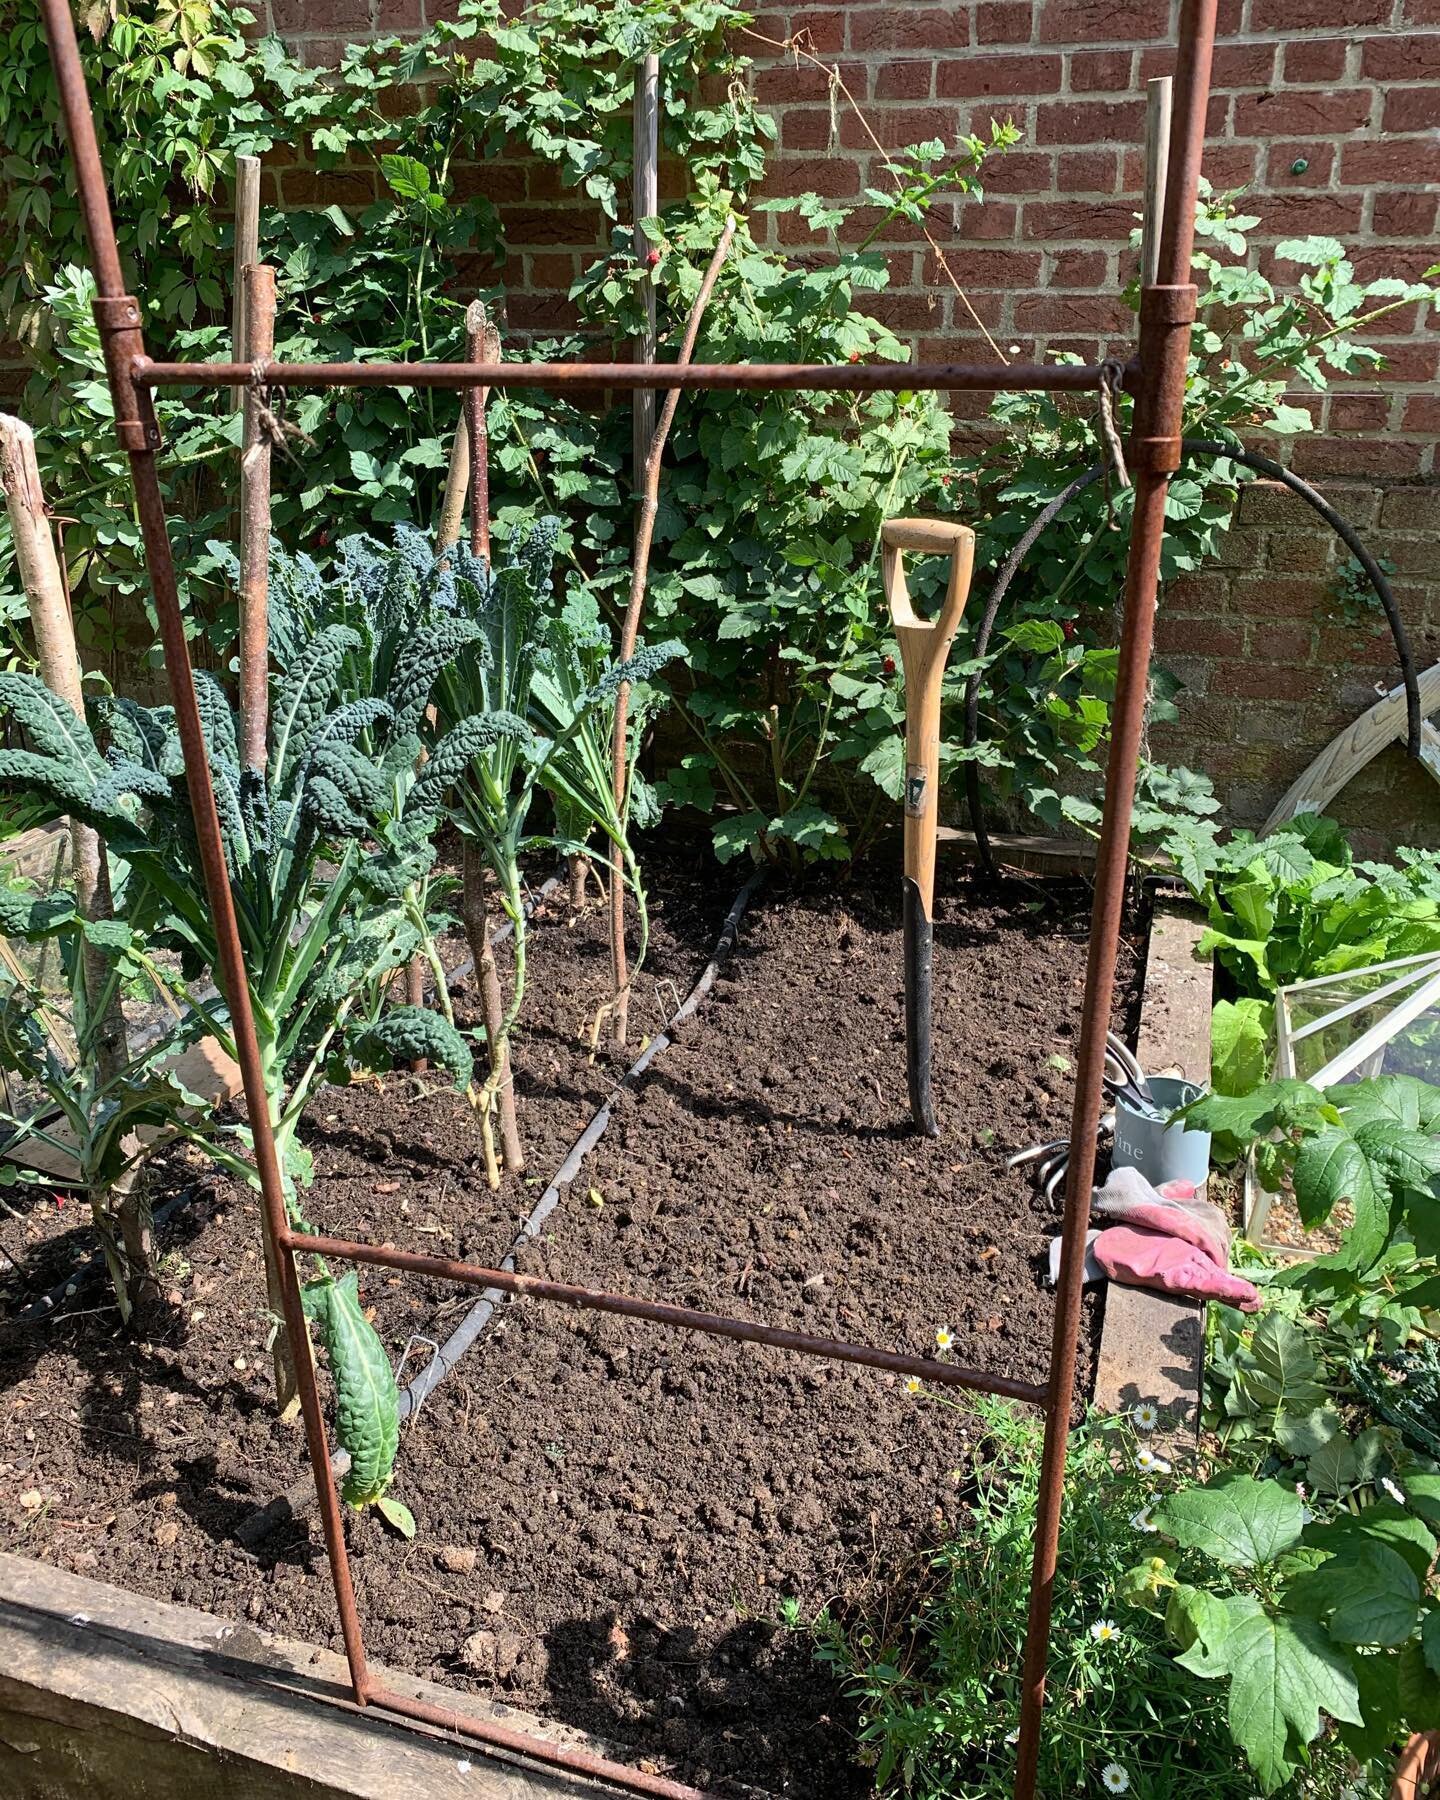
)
(1156, 377)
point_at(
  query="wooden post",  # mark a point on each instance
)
(247, 252)
(457, 488)
(258, 283)
(1157, 158)
(645, 204)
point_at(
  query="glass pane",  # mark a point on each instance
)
(1326, 1018)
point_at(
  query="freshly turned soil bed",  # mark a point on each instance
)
(610, 1513)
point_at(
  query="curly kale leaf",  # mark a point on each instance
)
(459, 747)
(304, 697)
(32, 916)
(407, 1033)
(367, 1403)
(428, 650)
(50, 725)
(143, 735)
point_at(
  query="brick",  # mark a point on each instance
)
(1043, 313)
(1315, 59)
(906, 80)
(1020, 172)
(993, 222)
(1411, 509)
(1412, 109)
(1401, 58)
(1089, 121)
(292, 18)
(1404, 215)
(1333, 215)
(1358, 412)
(1286, 645)
(1087, 171)
(1356, 456)
(823, 32)
(908, 28)
(1280, 161)
(1080, 269)
(1422, 413)
(1291, 112)
(1201, 637)
(551, 270)
(1102, 21)
(1011, 269)
(897, 125)
(1244, 65)
(1101, 71)
(1226, 165)
(1291, 16)
(536, 227)
(1267, 596)
(1408, 364)
(1422, 12)
(1007, 76)
(1295, 552)
(836, 177)
(1255, 678)
(335, 187)
(1082, 219)
(1004, 22)
(806, 128)
(1197, 594)
(1406, 163)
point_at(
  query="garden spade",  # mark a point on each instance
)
(924, 648)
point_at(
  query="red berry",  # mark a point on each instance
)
(854, 356)
(889, 665)
(945, 480)
(652, 261)
(1068, 627)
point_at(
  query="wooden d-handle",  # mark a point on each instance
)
(924, 648)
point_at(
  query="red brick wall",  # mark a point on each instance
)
(1351, 88)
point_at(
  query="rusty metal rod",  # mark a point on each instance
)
(662, 1312)
(536, 1749)
(1166, 313)
(842, 378)
(119, 320)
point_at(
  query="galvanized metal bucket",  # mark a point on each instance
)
(1160, 1151)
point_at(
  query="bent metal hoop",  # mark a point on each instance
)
(1156, 378)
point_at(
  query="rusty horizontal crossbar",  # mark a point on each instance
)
(662, 1312)
(839, 378)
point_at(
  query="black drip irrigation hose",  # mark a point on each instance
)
(467, 1333)
(1250, 459)
(84, 1273)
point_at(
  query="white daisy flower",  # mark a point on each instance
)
(1144, 1520)
(1393, 1489)
(1115, 1778)
(913, 1384)
(944, 1337)
(1013, 1737)
(1104, 1631)
(1145, 1416)
(1152, 1464)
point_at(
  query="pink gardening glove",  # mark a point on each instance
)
(1154, 1260)
(1128, 1198)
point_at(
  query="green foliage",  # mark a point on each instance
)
(1253, 345)
(1374, 1145)
(1303, 1616)
(367, 1404)
(411, 1034)
(936, 1668)
(1295, 904)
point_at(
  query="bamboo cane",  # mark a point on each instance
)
(630, 632)
(259, 287)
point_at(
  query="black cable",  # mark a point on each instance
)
(1263, 465)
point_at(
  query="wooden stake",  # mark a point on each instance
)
(630, 633)
(644, 204)
(482, 338)
(1157, 165)
(247, 252)
(258, 283)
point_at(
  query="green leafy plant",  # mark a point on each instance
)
(1372, 1144)
(936, 1666)
(96, 1105)
(1304, 1617)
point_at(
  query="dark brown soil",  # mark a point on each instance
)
(610, 1515)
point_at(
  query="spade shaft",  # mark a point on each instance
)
(924, 649)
